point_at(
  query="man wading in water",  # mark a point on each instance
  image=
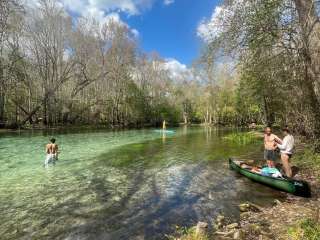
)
(270, 145)
(52, 152)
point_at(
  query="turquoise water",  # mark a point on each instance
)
(135, 184)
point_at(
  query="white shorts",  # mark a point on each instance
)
(50, 158)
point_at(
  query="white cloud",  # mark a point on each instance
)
(100, 10)
(168, 2)
(175, 68)
(100, 16)
(115, 17)
(212, 28)
(135, 32)
(75, 5)
(131, 7)
(179, 71)
(104, 11)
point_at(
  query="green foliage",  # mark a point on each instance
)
(242, 137)
(228, 115)
(165, 111)
(139, 109)
(248, 103)
(306, 229)
(309, 158)
(274, 81)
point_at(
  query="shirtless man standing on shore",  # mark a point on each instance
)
(52, 152)
(270, 145)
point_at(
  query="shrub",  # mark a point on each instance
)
(306, 229)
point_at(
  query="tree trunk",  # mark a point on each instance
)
(207, 117)
(2, 93)
(310, 30)
(44, 120)
(269, 116)
(29, 116)
(2, 102)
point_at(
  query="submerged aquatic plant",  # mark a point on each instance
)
(184, 233)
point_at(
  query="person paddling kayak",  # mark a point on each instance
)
(51, 151)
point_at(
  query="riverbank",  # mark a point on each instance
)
(294, 218)
(257, 130)
(75, 128)
(91, 126)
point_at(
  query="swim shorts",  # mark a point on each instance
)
(269, 155)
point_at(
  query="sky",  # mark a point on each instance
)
(168, 27)
(171, 29)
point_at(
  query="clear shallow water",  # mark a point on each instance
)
(135, 184)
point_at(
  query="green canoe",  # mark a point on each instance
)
(290, 185)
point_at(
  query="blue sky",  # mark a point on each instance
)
(172, 30)
(168, 27)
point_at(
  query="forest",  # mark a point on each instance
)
(260, 62)
(277, 47)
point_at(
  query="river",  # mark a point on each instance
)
(133, 184)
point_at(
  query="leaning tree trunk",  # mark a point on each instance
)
(310, 31)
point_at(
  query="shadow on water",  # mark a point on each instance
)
(135, 191)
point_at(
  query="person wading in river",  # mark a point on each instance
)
(270, 145)
(52, 152)
(164, 127)
(286, 151)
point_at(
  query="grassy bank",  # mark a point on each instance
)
(308, 161)
(243, 137)
(306, 229)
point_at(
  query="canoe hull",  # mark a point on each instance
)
(296, 187)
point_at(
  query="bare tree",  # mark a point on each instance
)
(47, 35)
